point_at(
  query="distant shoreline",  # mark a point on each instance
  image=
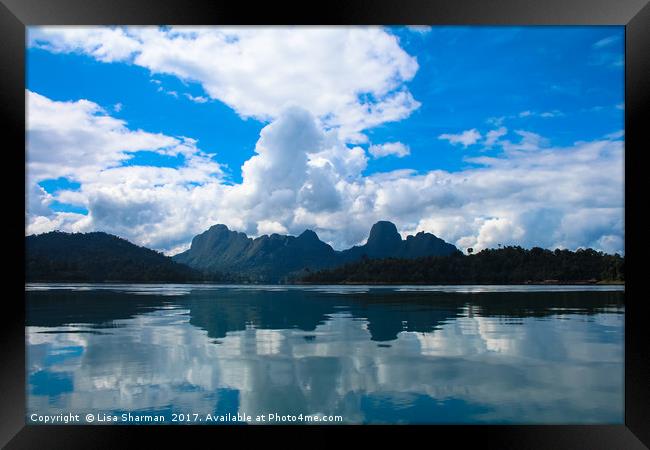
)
(568, 283)
(573, 283)
(103, 258)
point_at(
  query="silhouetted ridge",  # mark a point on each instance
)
(97, 256)
(223, 255)
(309, 235)
(281, 258)
(384, 238)
(508, 265)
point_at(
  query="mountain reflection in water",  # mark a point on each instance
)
(370, 354)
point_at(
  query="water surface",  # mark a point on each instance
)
(369, 354)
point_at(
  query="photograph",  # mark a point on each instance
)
(325, 225)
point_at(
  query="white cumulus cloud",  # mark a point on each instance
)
(390, 148)
(466, 138)
(493, 136)
(352, 78)
(304, 175)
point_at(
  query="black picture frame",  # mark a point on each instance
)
(15, 15)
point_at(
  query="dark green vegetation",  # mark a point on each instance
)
(509, 265)
(58, 256)
(279, 258)
(223, 256)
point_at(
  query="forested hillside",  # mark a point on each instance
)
(491, 266)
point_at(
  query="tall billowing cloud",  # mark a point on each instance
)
(318, 91)
(304, 175)
(352, 78)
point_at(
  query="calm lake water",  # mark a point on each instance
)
(401, 354)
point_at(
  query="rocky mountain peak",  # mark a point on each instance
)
(383, 234)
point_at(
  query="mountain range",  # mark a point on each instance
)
(98, 256)
(223, 255)
(216, 255)
(278, 258)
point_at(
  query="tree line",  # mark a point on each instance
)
(98, 257)
(507, 265)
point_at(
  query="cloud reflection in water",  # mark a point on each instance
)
(372, 355)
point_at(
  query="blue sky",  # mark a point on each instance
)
(396, 113)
